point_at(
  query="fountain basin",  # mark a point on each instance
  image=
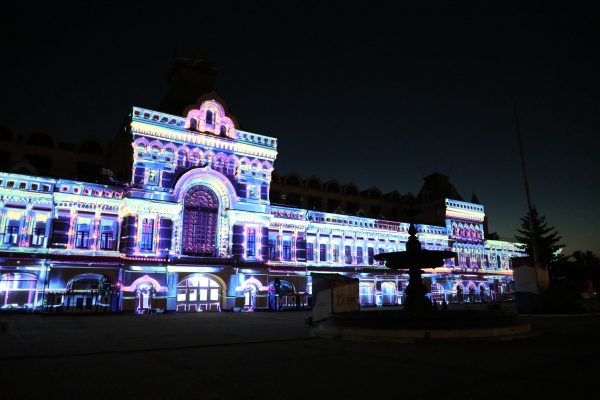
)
(402, 327)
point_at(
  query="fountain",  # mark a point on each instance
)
(418, 320)
(414, 259)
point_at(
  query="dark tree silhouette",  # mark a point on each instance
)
(548, 239)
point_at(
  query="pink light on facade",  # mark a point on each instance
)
(145, 279)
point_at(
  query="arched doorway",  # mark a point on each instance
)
(89, 292)
(482, 292)
(250, 297)
(388, 293)
(17, 290)
(144, 292)
(459, 293)
(472, 293)
(281, 294)
(366, 294)
(198, 292)
(200, 222)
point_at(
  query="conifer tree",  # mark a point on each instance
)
(548, 239)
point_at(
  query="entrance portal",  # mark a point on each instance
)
(198, 292)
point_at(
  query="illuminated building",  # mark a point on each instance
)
(195, 230)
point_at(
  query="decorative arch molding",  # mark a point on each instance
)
(145, 279)
(156, 143)
(227, 199)
(141, 142)
(210, 178)
(252, 281)
(210, 117)
(171, 146)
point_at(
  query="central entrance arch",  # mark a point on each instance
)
(199, 292)
(200, 222)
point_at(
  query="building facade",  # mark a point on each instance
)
(194, 230)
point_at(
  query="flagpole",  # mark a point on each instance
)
(534, 238)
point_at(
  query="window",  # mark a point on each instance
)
(272, 249)
(209, 117)
(359, 255)
(309, 252)
(323, 252)
(264, 191)
(380, 251)
(11, 233)
(152, 177)
(336, 253)
(366, 294)
(181, 158)
(287, 250)
(348, 255)
(83, 236)
(147, 234)
(17, 290)
(223, 130)
(370, 255)
(251, 242)
(39, 234)
(107, 238)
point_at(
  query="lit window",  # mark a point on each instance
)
(11, 232)
(287, 250)
(251, 242)
(39, 234)
(309, 252)
(147, 234)
(336, 253)
(370, 255)
(323, 252)
(83, 236)
(107, 238)
(359, 255)
(347, 255)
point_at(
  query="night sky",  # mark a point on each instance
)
(360, 92)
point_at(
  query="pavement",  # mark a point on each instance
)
(266, 355)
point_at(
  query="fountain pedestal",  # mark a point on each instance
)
(414, 259)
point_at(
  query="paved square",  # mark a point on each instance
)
(271, 355)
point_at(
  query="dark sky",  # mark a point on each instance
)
(357, 91)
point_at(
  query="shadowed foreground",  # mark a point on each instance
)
(265, 355)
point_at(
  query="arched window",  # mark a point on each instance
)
(209, 117)
(193, 124)
(198, 292)
(200, 222)
(17, 290)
